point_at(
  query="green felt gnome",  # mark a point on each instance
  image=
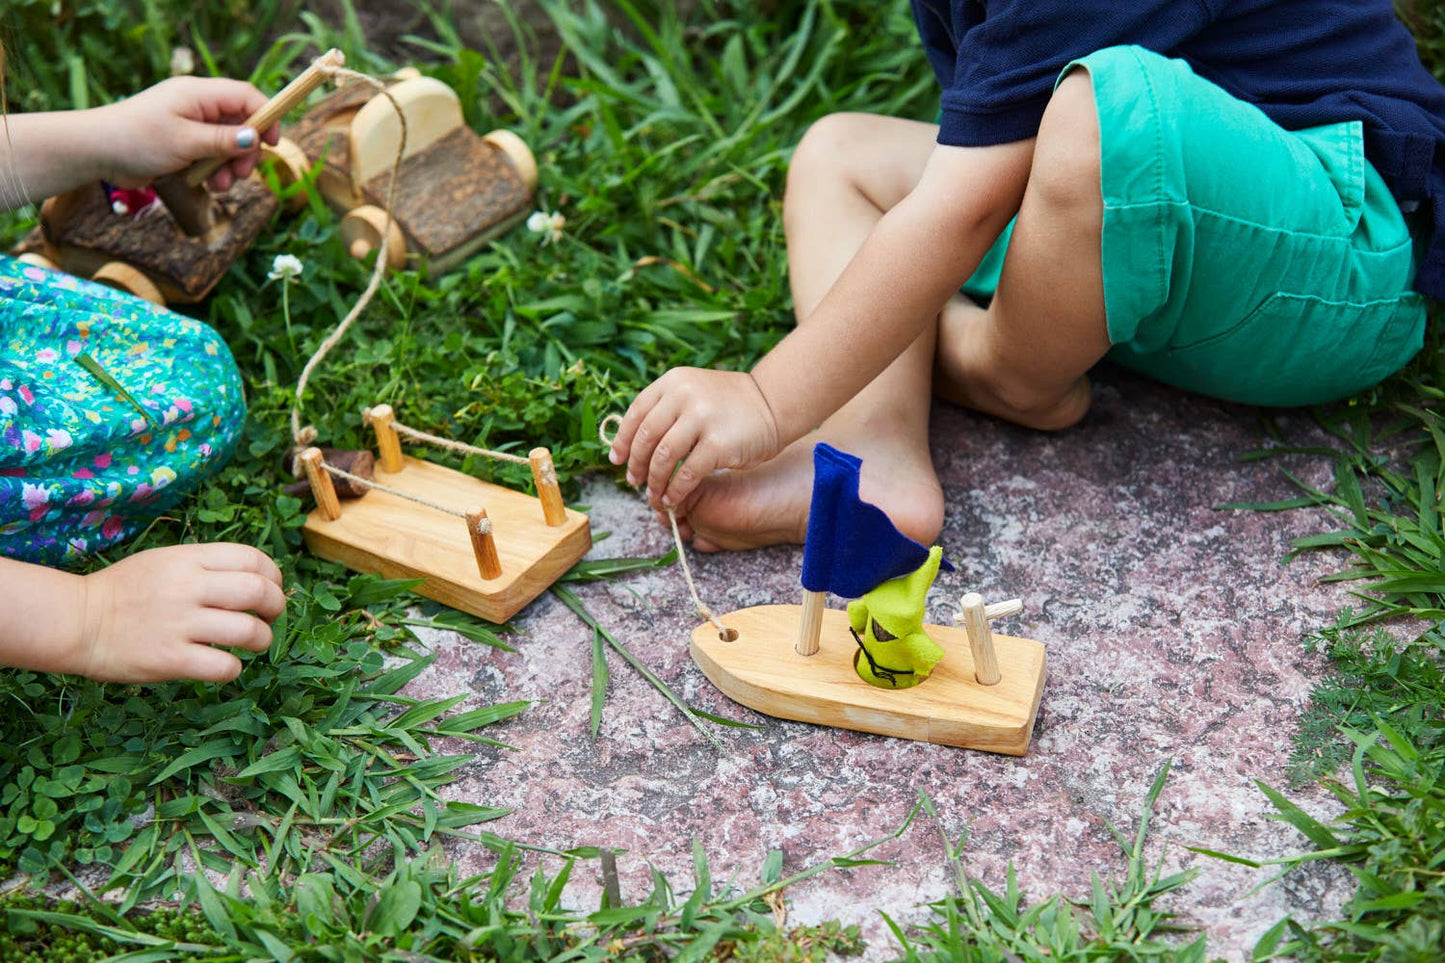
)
(888, 623)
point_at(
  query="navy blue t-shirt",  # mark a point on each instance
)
(1303, 62)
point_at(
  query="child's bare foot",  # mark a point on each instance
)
(768, 505)
(957, 378)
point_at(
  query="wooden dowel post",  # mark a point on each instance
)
(810, 622)
(190, 206)
(388, 442)
(484, 546)
(321, 488)
(974, 618)
(548, 491)
(275, 108)
(997, 610)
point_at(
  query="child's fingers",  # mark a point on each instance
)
(682, 509)
(219, 98)
(243, 592)
(235, 557)
(653, 429)
(204, 664)
(198, 140)
(697, 464)
(621, 449)
(677, 445)
(232, 630)
(242, 167)
(232, 172)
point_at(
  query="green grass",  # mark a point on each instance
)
(1121, 920)
(1380, 716)
(317, 788)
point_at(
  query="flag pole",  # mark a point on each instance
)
(810, 623)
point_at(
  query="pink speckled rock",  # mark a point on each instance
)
(1173, 631)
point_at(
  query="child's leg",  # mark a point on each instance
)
(846, 173)
(1025, 357)
(1199, 243)
(81, 468)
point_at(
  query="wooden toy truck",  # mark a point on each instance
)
(455, 190)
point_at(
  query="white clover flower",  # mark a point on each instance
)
(183, 61)
(548, 225)
(285, 267)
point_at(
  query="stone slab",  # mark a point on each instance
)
(1173, 632)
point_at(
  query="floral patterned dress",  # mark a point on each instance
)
(81, 467)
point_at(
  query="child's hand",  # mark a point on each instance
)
(166, 128)
(160, 614)
(705, 419)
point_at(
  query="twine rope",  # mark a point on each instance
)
(304, 436)
(368, 483)
(613, 421)
(484, 525)
(430, 439)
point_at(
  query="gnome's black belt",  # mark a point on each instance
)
(880, 671)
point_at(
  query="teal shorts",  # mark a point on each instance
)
(1240, 260)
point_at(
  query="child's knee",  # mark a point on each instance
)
(829, 150)
(1024, 401)
(1066, 155)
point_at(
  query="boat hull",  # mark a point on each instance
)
(761, 670)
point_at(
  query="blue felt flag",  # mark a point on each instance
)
(852, 546)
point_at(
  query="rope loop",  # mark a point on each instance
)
(615, 420)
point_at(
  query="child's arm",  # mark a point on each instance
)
(157, 615)
(917, 256)
(158, 131)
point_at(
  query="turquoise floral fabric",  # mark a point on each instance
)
(81, 468)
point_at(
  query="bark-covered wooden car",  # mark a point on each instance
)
(152, 254)
(455, 190)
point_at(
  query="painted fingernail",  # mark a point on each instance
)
(246, 138)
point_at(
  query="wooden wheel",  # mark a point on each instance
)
(291, 166)
(515, 150)
(362, 232)
(123, 277)
(36, 259)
